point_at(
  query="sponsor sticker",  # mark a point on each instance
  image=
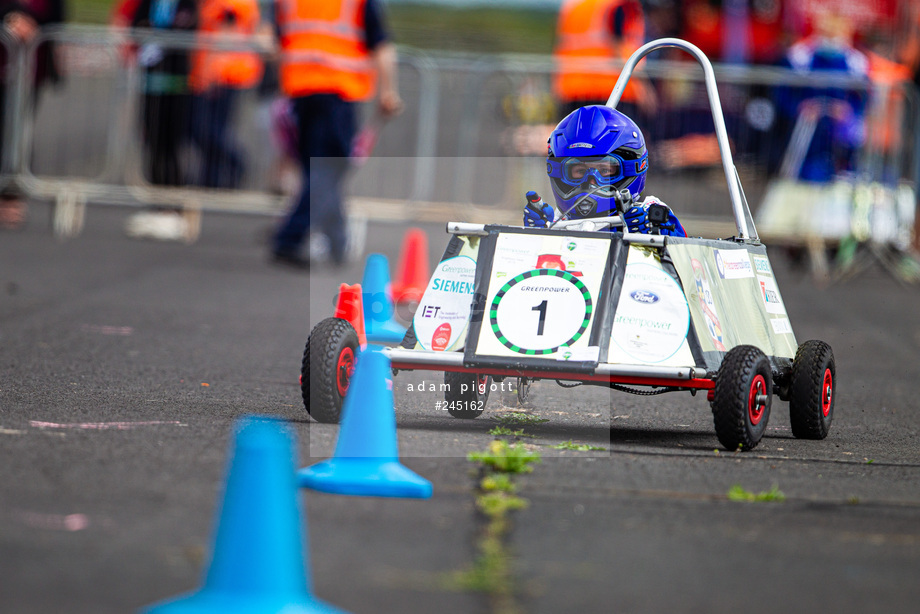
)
(442, 315)
(781, 326)
(707, 304)
(733, 263)
(769, 293)
(651, 326)
(762, 265)
(441, 337)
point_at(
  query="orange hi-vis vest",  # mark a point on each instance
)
(584, 46)
(323, 49)
(211, 66)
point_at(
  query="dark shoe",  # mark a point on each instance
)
(291, 260)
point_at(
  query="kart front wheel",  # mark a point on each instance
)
(811, 390)
(742, 398)
(328, 364)
(466, 393)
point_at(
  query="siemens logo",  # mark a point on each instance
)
(450, 285)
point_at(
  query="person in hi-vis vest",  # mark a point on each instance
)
(334, 54)
(591, 36)
(216, 77)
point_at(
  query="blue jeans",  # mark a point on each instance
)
(221, 161)
(325, 129)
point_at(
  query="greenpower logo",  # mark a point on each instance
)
(571, 245)
(579, 286)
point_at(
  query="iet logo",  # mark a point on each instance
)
(430, 311)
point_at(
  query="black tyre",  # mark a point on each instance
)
(466, 394)
(742, 397)
(327, 367)
(811, 390)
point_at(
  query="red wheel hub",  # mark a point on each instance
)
(757, 399)
(827, 392)
(344, 369)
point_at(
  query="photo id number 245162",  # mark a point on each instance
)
(460, 405)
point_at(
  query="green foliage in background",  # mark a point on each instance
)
(89, 11)
(477, 30)
(425, 26)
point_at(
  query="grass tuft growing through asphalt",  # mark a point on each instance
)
(504, 431)
(505, 458)
(737, 493)
(491, 572)
(519, 420)
(580, 447)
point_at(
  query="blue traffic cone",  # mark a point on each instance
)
(366, 461)
(378, 302)
(258, 563)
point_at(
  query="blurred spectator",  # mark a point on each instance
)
(22, 21)
(886, 113)
(328, 62)
(591, 35)
(909, 55)
(122, 16)
(737, 31)
(166, 97)
(215, 79)
(838, 112)
(123, 12)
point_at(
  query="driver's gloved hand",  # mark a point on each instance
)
(636, 220)
(537, 214)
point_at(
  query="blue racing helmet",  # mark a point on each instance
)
(594, 152)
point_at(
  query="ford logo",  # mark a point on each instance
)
(644, 296)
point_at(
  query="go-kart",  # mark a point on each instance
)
(642, 313)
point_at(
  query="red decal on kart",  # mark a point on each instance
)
(441, 337)
(550, 261)
(707, 304)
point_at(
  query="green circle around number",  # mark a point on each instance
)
(493, 309)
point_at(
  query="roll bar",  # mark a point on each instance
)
(743, 220)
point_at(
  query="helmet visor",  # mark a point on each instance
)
(605, 170)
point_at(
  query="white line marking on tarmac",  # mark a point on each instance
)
(121, 426)
(54, 522)
(107, 330)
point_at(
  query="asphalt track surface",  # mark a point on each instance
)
(124, 364)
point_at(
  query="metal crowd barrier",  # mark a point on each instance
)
(82, 141)
(469, 144)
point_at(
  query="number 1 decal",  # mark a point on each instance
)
(542, 309)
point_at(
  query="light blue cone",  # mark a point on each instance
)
(379, 324)
(258, 564)
(366, 459)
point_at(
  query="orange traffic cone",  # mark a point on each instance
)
(413, 268)
(350, 307)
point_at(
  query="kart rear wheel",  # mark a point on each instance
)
(742, 398)
(466, 393)
(811, 390)
(328, 364)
